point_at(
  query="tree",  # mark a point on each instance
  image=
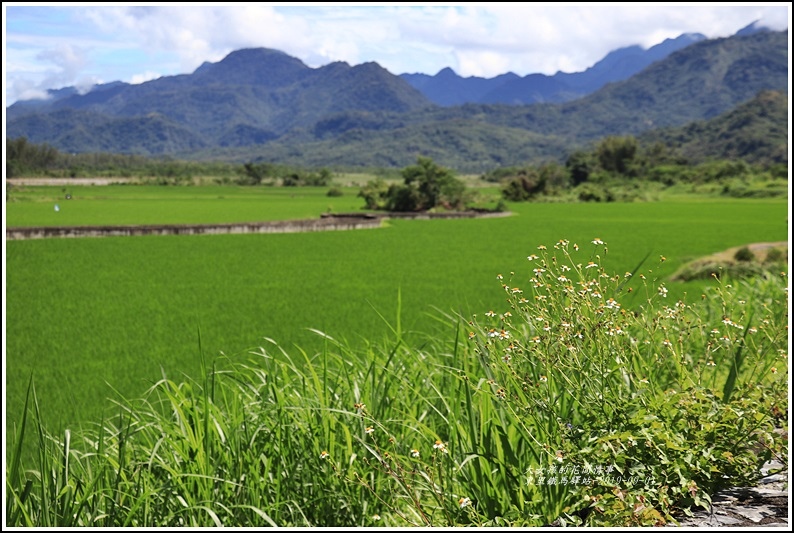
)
(425, 185)
(554, 177)
(23, 156)
(403, 197)
(580, 165)
(324, 177)
(527, 184)
(617, 154)
(437, 186)
(254, 174)
(375, 193)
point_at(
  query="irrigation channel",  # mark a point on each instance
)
(326, 222)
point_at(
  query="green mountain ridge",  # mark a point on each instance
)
(260, 104)
(755, 131)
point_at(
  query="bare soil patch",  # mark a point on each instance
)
(32, 182)
(762, 257)
(759, 249)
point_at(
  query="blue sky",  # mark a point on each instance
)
(49, 47)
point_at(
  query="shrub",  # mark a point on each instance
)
(375, 193)
(588, 192)
(720, 270)
(646, 409)
(744, 254)
(775, 255)
(523, 187)
(403, 198)
(501, 173)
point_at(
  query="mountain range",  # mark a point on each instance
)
(262, 104)
(448, 89)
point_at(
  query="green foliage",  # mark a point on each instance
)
(403, 198)
(634, 407)
(617, 154)
(254, 174)
(619, 169)
(270, 174)
(375, 193)
(755, 131)
(123, 308)
(645, 408)
(580, 165)
(589, 192)
(555, 177)
(743, 265)
(700, 81)
(307, 179)
(717, 269)
(525, 186)
(425, 186)
(521, 184)
(670, 174)
(437, 186)
(500, 174)
(744, 254)
(22, 157)
(775, 255)
(25, 159)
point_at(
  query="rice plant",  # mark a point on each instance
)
(570, 404)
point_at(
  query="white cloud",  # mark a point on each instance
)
(482, 64)
(131, 43)
(84, 84)
(543, 38)
(67, 58)
(26, 90)
(202, 33)
(31, 74)
(144, 77)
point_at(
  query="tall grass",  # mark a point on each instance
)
(457, 428)
(84, 314)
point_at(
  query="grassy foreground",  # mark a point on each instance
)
(90, 318)
(588, 395)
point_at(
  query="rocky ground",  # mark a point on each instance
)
(766, 505)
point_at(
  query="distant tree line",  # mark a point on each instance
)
(619, 168)
(23, 157)
(26, 159)
(272, 174)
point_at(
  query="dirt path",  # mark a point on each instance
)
(759, 249)
(67, 181)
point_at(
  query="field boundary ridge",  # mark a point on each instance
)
(326, 222)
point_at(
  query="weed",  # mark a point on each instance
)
(572, 403)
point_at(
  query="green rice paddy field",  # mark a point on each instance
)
(133, 204)
(93, 317)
